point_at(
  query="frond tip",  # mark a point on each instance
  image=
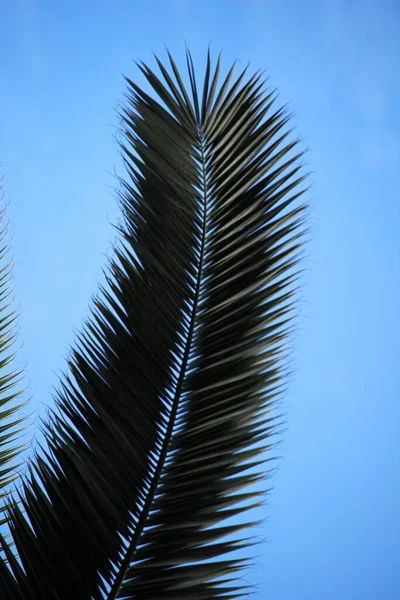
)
(165, 419)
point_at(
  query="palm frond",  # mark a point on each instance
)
(10, 392)
(11, 404)
(166, 413)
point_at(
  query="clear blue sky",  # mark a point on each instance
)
(334, 525)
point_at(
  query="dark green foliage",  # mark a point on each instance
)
(166, 414)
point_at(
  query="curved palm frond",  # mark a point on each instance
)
(11, 424)
(10, 427)
(166, 412)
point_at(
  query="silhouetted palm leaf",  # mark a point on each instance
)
(166, 413)
(10, 403)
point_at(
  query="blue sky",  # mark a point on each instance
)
(333, 526)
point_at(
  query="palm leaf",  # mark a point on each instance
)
(11, 404)
(10, 392)
(165, 415)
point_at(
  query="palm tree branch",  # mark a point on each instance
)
(262, 253)
(165, 419)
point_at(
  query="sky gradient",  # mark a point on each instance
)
(333, 526)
